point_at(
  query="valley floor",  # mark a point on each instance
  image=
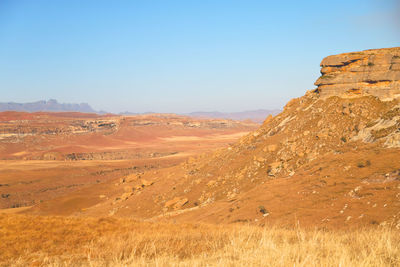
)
(71, 241)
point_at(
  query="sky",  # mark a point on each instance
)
(180, 56)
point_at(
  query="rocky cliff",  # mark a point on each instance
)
(372, 72)
(330, 158)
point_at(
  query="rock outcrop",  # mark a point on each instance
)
(331, 157)
(372, 72)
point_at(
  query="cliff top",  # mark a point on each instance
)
(373, 72)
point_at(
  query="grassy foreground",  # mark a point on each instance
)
(70, 241)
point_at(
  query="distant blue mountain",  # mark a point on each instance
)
(51, 105)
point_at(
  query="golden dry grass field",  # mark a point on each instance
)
(71, 241)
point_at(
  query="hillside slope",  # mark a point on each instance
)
(47, 155)
(327, 160)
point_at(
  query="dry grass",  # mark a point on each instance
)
(67, 241)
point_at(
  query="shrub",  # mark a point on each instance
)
(362, 164)
(262, 209)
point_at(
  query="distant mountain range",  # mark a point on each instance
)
(258, 115)
(53, 105)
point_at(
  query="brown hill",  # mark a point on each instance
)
(326, 160)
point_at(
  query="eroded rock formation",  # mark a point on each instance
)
(372, 72)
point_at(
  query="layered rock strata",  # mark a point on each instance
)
(372, 72)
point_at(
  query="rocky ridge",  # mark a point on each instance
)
(372, 72)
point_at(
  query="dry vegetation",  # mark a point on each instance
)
(71, 241)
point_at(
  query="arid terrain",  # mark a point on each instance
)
(111, 241)
(316, 185)
(47, 155)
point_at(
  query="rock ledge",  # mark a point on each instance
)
(371, 72)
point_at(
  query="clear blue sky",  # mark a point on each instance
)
(180, 56)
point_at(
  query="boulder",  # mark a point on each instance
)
(146, 183)
(272, 148)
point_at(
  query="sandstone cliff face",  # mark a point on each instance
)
(372, 72)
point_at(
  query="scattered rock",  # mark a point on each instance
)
(126, 195)
(146, 183)
(211, 183)
(272, 148)
(176, 203)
